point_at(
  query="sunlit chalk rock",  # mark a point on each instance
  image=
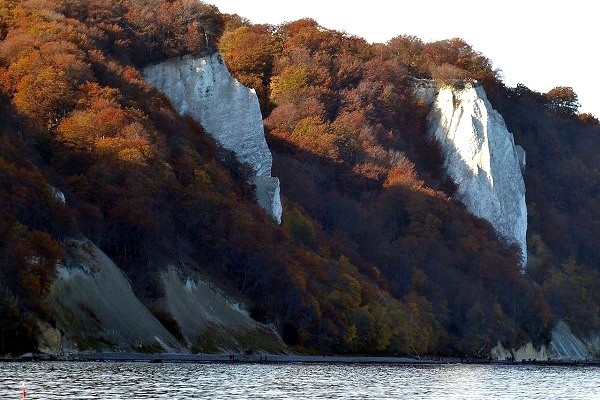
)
(202, 88)
(480, 156)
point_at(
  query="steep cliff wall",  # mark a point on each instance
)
(96, 308)
(481, 157)
(210, 321)
(202, 88)
(564, 345)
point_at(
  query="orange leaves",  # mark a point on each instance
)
(249, 50)
(32, 254)
(45, 96)
(38, 253)
(106, 132)
(588, 118)
(97, 97)
(369, 257)
(16, 45)
(314, 135)
(306, 33)
(44, 70)
(562, 99)
(161, 29)
(131, 146)
(403, 173)
(250, 53)
(289, 84)
(101, 127)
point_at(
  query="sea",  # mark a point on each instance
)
(174, 381)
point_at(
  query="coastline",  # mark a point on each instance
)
(277, 359)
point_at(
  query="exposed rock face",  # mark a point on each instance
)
(202, 88)
(481, 157)
(49, 339)
(526, 352)
(564, 345)
(96, 308)
(522, 156)
(204, 313)
(57, 194)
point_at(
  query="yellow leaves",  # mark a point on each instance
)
(423, 327)
(313, 134)
(78, 131)
(45, 97)
(107, 132)
(309, 127)
(300, 228)
(249, 50)
(131, 145)
(289, 84)
(98, 97)
(346, 293)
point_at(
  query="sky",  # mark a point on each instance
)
(541, 44)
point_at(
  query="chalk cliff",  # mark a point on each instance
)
(564, 345)
(202, 88)
(211, 321)
(481, 157)
(96, 308)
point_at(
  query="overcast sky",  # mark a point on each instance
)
(541, 44)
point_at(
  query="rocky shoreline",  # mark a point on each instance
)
(277, 359)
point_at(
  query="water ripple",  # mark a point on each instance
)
(115, 381)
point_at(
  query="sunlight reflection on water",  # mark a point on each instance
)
(114, 381)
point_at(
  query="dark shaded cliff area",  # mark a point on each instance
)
(373, 256)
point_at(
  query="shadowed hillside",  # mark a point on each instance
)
(374, 254)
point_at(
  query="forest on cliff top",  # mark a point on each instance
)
(374, 255)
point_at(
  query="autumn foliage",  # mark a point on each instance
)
(373, 256)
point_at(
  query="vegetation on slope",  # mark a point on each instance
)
(351, 105)
(563, 198)
(373, 255)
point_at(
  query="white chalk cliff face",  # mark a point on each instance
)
(94, 304)
(201, 310)
(481, 157)
(95, 308)
(564, 345)
(202, 88)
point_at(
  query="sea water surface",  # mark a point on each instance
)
(111, 380)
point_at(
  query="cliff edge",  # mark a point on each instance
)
(481, 157)
(202, 88)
